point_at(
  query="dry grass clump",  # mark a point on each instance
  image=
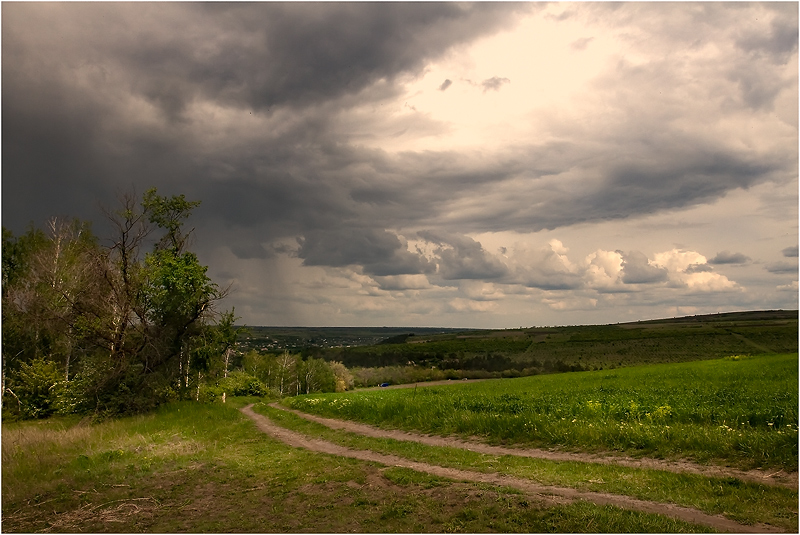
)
(20, 440)
(104, 514)
(30, 449)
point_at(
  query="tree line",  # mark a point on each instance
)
(289, 374)
(121, 326)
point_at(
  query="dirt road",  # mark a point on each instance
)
(778, 478)
(541, 492)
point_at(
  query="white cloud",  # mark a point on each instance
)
(678, 260)
(603, 269)
(688, 268)
(543, 267)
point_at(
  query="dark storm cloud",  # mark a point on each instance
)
(259, 55)
(781, 268)
(790, 252)
(248, 249)
(381, 253)
(636, 269)
(100, 96)
(727, 257)
(636, 173)
(78, 81)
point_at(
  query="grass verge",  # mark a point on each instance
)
(206, 468)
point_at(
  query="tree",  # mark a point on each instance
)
(315, 376)
(169, 293)
(285, 374)
(18, 339)
(343, 378)
(48, 279)
(124, 329)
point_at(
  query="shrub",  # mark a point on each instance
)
(33, 386)
(237, 383)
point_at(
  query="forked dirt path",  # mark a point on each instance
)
(778, 478)
(546, 492)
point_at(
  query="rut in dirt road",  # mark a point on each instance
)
(546, 492)
(779, 478)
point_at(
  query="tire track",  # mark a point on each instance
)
(299, 440)
(779, 478)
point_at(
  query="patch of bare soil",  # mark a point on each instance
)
(529, 487)
(778, 478)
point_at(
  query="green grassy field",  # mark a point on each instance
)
(744, 502)
(740, 411)
(207, 468)
(194, 467)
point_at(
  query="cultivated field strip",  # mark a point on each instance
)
(779, 478)
(299, 440)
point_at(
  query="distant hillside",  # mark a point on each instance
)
(573, 348)
(299, 338)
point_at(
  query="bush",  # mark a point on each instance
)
(33, 385)
(237, 383)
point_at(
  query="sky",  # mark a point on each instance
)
(480, 165)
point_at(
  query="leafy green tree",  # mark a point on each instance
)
(315, 376)
(49, 278)
(263, 366)
(226, 335)
(167, 300)
(169, 214)
(123, 328)
(19, 339)
(213, 349)
(343, 379)
(286, 373)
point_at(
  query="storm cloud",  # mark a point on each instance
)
(327, 149)
(727, 257)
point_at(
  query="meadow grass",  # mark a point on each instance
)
(736, 410)
(738, 500)
(194, 467)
